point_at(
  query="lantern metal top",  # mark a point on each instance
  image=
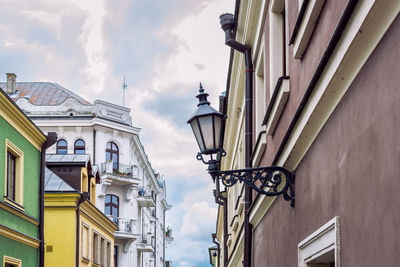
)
(203, 107)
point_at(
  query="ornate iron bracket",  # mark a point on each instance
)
(269, 181)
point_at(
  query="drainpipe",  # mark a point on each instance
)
(51, 139)
(84, 196)
(228, 25)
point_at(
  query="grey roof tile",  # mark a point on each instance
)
(53, 182)
(67, 158)
(44, 93)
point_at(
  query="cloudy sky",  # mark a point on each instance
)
(164, 48)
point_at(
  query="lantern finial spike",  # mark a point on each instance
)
(202, 96)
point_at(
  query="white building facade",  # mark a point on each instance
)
(130, 192)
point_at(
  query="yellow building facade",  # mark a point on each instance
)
(76, 232)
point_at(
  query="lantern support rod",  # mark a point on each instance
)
(269, 181)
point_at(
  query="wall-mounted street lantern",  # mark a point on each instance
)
(206, 124)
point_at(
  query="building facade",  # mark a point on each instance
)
(76, 232)
(21, 147)
(130, 192)
(324, 104)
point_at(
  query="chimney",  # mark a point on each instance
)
(11, 83)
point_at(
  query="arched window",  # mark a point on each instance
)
(62, 147)
(79, 147)
(112, 206)
(112, 154)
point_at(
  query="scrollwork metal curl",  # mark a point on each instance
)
(270, 181)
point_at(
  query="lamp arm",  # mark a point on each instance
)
(269, 181)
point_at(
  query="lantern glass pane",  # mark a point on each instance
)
(217, 127)
(197, 134)
(206, 125)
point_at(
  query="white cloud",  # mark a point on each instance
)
(92, 41)
(49, 19)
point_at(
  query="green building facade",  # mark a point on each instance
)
(20, 187)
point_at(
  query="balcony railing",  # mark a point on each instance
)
(126, 225)
(123, 170)
(144, 198)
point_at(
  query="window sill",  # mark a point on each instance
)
(278, 101)
(13, 203)
(304, 27)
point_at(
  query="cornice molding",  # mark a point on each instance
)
(17, 119)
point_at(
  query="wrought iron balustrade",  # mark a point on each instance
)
(121, 169)
(126, 225)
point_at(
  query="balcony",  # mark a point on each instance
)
(126, 232)
(144, 246)
(144, 199)
(168, 235)
(124, 173)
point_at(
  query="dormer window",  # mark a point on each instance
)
(62, 147)
(112, 154)
(79, 147)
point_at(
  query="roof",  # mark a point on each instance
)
(44, 93)
(53, 182)
(71, 159)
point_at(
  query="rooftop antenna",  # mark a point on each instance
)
(124, 85)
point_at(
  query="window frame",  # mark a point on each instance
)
(10, 260)
(102, 251)
(79, 147)
(17, 199)
(95, 247)
(112, 205)
(87, 256)
(323, 240)
(62, 147)
(112, 152)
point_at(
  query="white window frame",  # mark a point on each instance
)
(11, 260)
(87, 255)
(18, 202)
(325, 239)
(276, 52)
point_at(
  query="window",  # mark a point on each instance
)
(102, 251)
(95, 247)
(62, 147)
(79, 147)
(11, 262)
(11, 179)
(85, 241)
(14, 171)
(112, 207)
(112, 154)
(260, 92)
(108, 259)
(321, 248)
(115, 256)
(277, 39)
